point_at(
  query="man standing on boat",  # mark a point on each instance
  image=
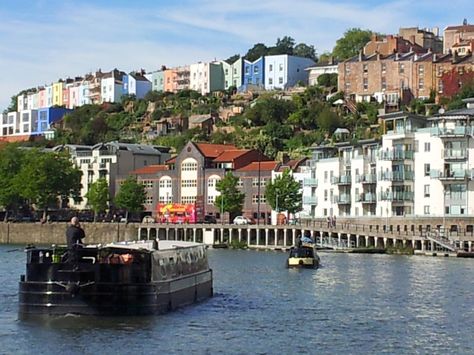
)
(74, 236)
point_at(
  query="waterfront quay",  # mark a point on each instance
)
(422, 235)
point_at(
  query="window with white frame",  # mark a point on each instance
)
(270, 67)
(189, 183)
(149, 200)
(189, 166)
(427, 190)
(240, 183)
(427, 146)
(426, 209)
(281, 67)
(188, 199)
(211, 199)
(148, 184)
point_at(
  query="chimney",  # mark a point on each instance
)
(397, 56)
(435, 57)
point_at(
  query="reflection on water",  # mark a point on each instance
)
(368, 304)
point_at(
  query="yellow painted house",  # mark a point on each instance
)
(58, 93)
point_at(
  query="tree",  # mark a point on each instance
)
(303, 50)
(327, 80)
(45, 177)
(233, 59)
(11, 160)
(351, 43)
(257, 51)
(283, 194)
(284, 45)
(231, 199)
(98, 196)
(131, 196)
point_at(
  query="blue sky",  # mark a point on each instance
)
(44, 40)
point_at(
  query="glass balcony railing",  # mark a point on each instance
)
(310, 200)
(368, 197)
(342, 180)
(396, 176)
(367, 178)
(459, 131)
(310, 182)
(396, 154)
(451, 174)
(343, 199)
(455, 154)
(397, 196)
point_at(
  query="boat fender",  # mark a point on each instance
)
(301, 262)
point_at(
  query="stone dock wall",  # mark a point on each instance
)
(55, 233)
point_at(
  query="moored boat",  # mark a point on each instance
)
(303, 255)
(129, 278)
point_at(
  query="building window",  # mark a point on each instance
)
(347, 85)
(365, 68)
(440, 87)
(427, 190)
(366, 84)
(280, 80)
(188, 183)
(211, 199)
(149, 200)
(384, 68)
(421, 83)
(189, 166)
(325, 195)
(247, 70)
(347, 69)
(240, 183)
(427, 169)
(255, 199)
(427, 146)
(384, 83)
(401, 68)
(325, 176)
(227, 72)
(188, 199)
(255, 70)
(148, 184)
(270, 67)
(270, 81)
(421, 70)
(165, 183)
(281, 67)
(426, 209)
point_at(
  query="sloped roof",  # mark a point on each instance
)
(199, 118)
(264, 166)
(210, 150)
(230, 155)
(461, 28)
(149, 169)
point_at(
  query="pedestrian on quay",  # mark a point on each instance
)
(328, 219)
(334, 221)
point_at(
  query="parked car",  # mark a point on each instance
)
(209, 219)
(242, 220)
(148, 219)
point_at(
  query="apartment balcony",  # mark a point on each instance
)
(84, 153)
(368, 197)
(345, 160)
(396, 176)
(396, 154)
(455, 154)
(310, 182)
(397, 196)
(342, 180)
(344, 199)
(367, 178)
(310, 200)
(370, 159)
(443, 132)
(452, 175)
(102, 166)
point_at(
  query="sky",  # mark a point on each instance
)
(42, 41)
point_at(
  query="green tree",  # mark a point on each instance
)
(233, 59)
(131, 196)
(256, 52)
(47, 177)
(231, 199)
(303, 50)
(328, 120)
(327, 80)
(283, 45)
(11, 161)
(98, 196)
(351, 43)
(283, 193)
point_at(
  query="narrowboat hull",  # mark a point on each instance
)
(102, 289)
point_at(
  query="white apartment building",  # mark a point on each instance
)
(422, 166)
(110, 161)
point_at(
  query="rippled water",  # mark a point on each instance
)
(357, 304)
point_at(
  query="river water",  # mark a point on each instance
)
(354, 304)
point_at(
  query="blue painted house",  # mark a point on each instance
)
(254, 73)
(46, 117)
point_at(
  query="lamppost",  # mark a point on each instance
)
(258, 188)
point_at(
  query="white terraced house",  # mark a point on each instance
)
(422, 166)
